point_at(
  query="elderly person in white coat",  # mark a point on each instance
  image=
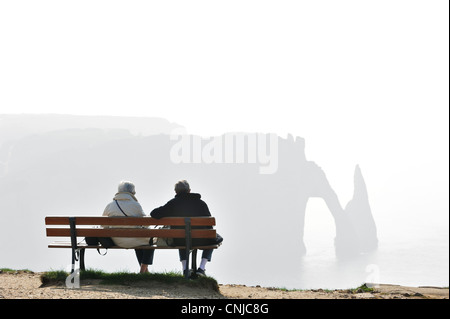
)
(125, 204)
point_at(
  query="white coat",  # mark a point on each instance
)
(132, 208)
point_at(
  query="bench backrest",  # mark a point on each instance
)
(64, 226)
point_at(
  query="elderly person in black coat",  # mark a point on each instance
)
(186, 204)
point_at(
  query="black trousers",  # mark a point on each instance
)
(145, 256)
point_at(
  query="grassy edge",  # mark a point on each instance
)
(127, 278)
(360, 289)
(15, 271)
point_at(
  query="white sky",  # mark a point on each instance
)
(364, 82)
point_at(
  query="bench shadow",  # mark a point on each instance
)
(142, 289)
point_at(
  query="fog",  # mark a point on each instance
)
(286, 227)
(317, 132)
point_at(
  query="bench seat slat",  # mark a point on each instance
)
(134, 221)
(85, 246)
(131, 232)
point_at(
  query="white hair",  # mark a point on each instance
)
(125, 186)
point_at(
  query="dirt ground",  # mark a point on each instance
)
(23, 285)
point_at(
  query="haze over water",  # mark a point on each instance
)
(352, 97)
(65, 165)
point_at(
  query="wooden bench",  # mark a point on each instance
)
(86, 226)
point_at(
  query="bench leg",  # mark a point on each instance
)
(194, 261)
(73, 261)
(187, 229)
(186, 271)
(82, 251)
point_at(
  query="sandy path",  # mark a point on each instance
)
(22, 285)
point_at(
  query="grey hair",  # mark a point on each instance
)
(125, 186)
(182, 187)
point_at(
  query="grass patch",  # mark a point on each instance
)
(285, 289)
(128, 278)
(15, 271)
(54, 277)
(362, 288)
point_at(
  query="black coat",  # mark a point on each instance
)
(185, 205)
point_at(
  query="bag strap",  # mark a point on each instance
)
(106, 251)
(120, 208)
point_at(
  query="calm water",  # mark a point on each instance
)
(413, 255)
